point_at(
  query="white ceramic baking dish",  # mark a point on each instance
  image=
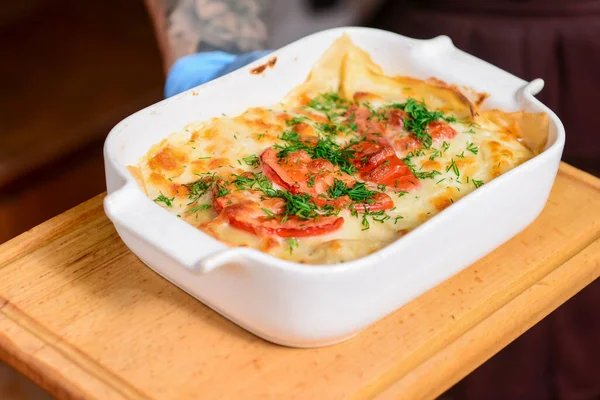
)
(316, 305)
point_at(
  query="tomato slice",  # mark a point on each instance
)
(361, 116)
(440, 130)
(251, 217)
(288, 171)
(274, 205)
(393, 173)
(404, 141)
(370, 153)
(298, 173)
(396, 118)
(248, 219)
(339, 203)
(252, 211)
(401, 140)
(378, 163)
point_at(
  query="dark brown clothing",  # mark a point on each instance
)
(558, 41)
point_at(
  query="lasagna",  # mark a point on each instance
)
(348, 162)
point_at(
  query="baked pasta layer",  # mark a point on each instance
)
(348, 162)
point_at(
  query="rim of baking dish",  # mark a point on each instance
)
(526, 94)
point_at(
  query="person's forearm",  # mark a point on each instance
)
(189, 26)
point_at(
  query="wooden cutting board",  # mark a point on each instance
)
(83, 317)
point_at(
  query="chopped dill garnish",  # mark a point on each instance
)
(326, 147)
(358, 192)
(328, 102)
(292, 242)
(477, 183)
(197, 208)
(199, 188)
(254, 181)
(252, 160)
(299, 205)
(221, 190)
(377, 216)
(453, 167)
(427, 175)
(164, 199)
(295, 121)
(419, 119)
(418, 174)
(472, 148)
(269, 213)
(329, 149)
(327, 128)
(450, 119)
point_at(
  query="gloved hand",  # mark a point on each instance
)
(196, 69)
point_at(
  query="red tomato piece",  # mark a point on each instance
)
(339, 203)
(379, 201)
(288, 171)
(298, 173)
(440, 130)
(295, 227)
(404, 141)
(245, 209)
(361, 116)
(250, 217)
(396, 119)
(235, 196)
(404, 144)
(401, 140)
(378, 163)
(393, 173)
(370, 153)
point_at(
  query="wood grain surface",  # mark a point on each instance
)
(84, 318)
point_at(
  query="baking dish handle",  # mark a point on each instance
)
(133, 211)
(530, 89)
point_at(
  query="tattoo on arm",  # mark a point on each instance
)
(235, 26)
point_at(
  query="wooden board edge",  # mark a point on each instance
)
(461, 327)
(16, 353)
(439, 373)
(54, 365)
(576, 174)
(38, 236)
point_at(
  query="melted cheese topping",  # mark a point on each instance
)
(485, 146)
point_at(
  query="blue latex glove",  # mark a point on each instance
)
(196, 69)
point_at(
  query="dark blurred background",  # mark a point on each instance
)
(72, 69)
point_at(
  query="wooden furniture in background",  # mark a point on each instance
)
(70, 70)
(83, 317)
